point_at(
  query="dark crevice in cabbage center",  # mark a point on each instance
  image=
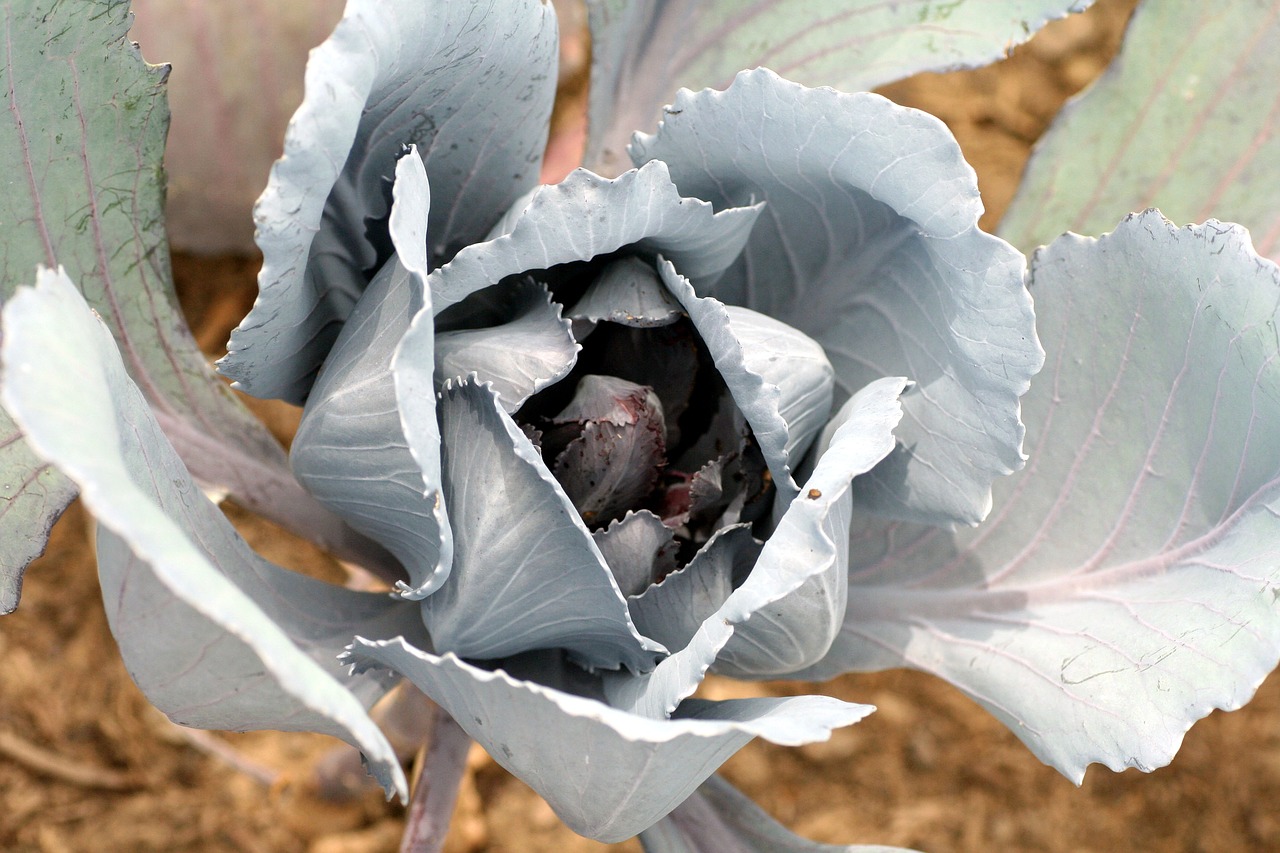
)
(712, 473)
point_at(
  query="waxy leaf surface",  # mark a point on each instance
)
(607, 773)
(642, 51)
(629, 292)
(531, 350)
(778, 376)
(352, 449)
(1126, 587)
(470, 85)
(527, 574)
(215, 636)
(586, 215)
(638, 548)
(32, 500)
(1186, 119)
(868, 243)
(82, 147)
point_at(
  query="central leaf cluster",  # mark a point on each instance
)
(610, 428)
(649, 427)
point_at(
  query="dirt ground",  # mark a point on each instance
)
(87, 765)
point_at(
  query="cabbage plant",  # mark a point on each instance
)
(765, 402)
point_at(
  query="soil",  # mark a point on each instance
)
(86, 764)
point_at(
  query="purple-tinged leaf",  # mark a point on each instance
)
(664, 358)
(613, 462)
(705, 497)
(1186, 119)
(236, 79)
(611, 400)
(869, 244)
(609, 469)
(435, 791)
(526, 573)
(34, 495)
(214, 635)
(718, 818)
(1127, 585)
(786, 613)
(83, 145)
(643, 50)
(470, 84)
(608, 774)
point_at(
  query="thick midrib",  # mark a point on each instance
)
(880, 603)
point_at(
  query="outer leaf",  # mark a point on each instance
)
(718, 818)
(527, 574)
(1127, 587)
(471, 84)
(1187, 119)
(869, 244)
(83, 147)
(584, 216)
(215, 636)
(643, 50)
(34, 496)
(352, 449)
(606, 773)
(789, 610)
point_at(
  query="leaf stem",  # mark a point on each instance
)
(435, 791)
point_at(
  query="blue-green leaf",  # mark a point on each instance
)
(643, 50)
(638, 548)
(352, 450)
(34, 495)
(586, 215)
(470, 84)
(778, 376)
(629, 292)
(868, 243)
(608, 774)
(1186, 119)
(526, 573)
(215, 636)
(81, 145)
(531, 350)
(674, 609)
(1126, 587)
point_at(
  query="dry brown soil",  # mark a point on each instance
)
(86, 765)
